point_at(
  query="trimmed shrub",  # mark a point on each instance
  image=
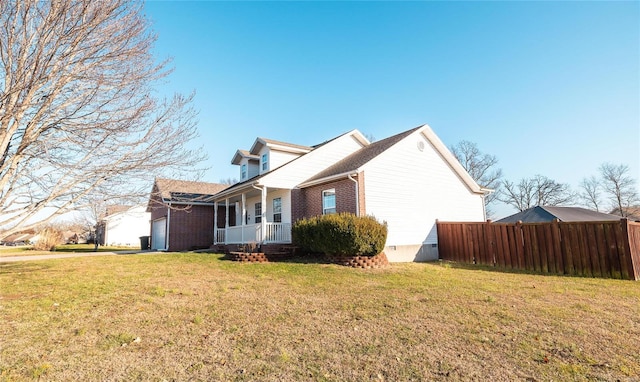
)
(340, 234)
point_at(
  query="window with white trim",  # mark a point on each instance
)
(243, 172)
(329, 202)
(258, 212)
(265, 162)
(277, 210)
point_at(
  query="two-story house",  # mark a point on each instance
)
(408, 180)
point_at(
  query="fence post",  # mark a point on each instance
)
(628, 268)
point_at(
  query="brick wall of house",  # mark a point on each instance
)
(191, 228)
(307, 202)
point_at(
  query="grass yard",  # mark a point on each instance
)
(197, 317)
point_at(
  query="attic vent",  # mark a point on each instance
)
(420, 145)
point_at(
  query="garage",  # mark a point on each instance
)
(159, 234)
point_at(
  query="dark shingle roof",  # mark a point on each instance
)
(361, 157)
(539, 214)
(185, 191)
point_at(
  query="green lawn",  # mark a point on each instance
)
(198, 317)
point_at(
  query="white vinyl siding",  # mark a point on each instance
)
(125, 228)
(410, 189)
(285, 197)
(274, 159)
(312, 163)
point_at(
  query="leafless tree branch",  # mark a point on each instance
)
(78, 115)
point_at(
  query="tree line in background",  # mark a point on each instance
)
(613, 190)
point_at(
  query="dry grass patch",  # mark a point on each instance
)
(196, 317)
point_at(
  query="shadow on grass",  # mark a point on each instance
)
(88, 248)
(21, 267)
(498, 269)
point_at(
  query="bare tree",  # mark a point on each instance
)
(370, 137)
(536, 191)
(229, 181)
(591, 193)
(78, 112)
(619, 187)
(481, 167)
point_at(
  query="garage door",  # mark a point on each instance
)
(159, 234)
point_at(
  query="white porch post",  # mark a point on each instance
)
(244, 215)
(226, 220)
(263, 221)
(215, 222)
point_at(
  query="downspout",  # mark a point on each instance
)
(485, 193)
(166, 242)
(350, 176)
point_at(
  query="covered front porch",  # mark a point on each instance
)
(261, 215)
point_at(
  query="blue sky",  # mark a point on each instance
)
(550, 88)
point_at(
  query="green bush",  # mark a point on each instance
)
(340, 234)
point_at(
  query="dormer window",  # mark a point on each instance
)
(243, 172)
(265, 163)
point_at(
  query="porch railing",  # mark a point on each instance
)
(252, 233)
(220, 235)
(243, 234)
(278, 233)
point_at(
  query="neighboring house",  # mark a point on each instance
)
(408, 180)
(541, 214)
(20, 238)
(182, 214)
(123, 225)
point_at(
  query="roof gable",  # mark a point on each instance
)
(278, 145)
(295, 165)
(356, 161)
(237, 157)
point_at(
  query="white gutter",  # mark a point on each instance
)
(485, 192)
(328, 179)
(238, 190)
(166, 240)
(350, 176)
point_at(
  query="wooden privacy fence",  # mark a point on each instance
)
(609, 249)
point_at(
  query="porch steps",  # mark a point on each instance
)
(264, 253)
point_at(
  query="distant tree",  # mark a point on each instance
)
(370, 137)
(619, 187)
(482, 168)
(591, 193)
(229, 181)
(531, 192)
(78, 112)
